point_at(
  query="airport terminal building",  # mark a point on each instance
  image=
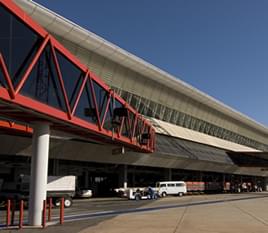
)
(198, 138)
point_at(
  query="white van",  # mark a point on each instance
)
(165, 188)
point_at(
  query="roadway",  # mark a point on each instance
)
(115, 214)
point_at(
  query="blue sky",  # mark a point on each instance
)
(217, 46)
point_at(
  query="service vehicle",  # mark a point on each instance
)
(57, 187)
(165, 188)
(137, 194)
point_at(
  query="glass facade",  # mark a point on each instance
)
(161, 112)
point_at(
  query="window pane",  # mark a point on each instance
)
(86, 109)
(2, 80)
(18, 44)
(101, 97)
(43, 83)
(72, 77)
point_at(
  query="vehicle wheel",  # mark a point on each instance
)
(68, 202)
(164, 194)
(180, 194)
(57, 202)
(137, 197)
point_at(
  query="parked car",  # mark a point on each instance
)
(84, 193)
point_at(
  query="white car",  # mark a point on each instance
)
(84, 193)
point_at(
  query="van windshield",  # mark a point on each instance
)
(157, 185)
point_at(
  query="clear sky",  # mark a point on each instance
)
(217, 46)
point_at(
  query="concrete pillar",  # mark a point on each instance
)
(86, 179)
(39, 170)
(265, 184)
(200, 176)
(134, 177)
(168, 174)
(123, 176)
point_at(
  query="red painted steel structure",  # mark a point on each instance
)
(10, 127)
(132, 129)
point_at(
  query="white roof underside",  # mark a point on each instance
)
(70, 31)
(168, 129)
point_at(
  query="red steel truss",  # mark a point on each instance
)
(125, 125)
(10, 127)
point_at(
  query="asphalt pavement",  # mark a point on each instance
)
(221, 213)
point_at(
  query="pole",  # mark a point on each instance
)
(8, 212)
(44, 213)
(39, 169)
(21, 214)
(49, 209)
(62, 210)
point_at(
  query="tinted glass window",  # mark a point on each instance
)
(180, 184)
(72, 77)
(109, 116)
(101, 98)
(43, 82)
(2, 80)
(86, 109)
(171, 185)
(163, 185)
(18, 44)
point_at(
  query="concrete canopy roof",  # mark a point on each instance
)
(68, 30)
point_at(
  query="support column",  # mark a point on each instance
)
(39, 170)
(86, 185)
(265, 184)
(168, 174)
(123, 176)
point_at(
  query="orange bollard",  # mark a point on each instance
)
(13, 208)
(44, 213)
(8, 212)
(21, 214)
(49, 209)
(62, 210)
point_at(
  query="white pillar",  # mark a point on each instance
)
(39, 170)
(265, 184)
(125, 176)
(122, 178)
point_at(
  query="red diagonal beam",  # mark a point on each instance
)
(11, 90)
(129, 125)
(95, 102)
(134, 126)
(106, 109)
(59, 74)
(80, 92)
(31, 66)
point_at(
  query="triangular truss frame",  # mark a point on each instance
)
(25, 109)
